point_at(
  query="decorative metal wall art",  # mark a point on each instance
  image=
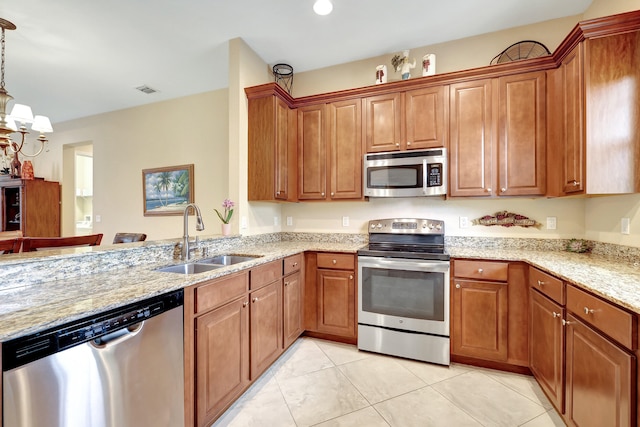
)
(506, 219)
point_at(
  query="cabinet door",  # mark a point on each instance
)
(522, 134)
(266, 327)
(383, 122)
(427, 117)
(479, 319)
(336, 302)
(312, 158)
(600, 391)
(546, 358)
(282, 150)
(292, 308)
(471, 144)
(345, 149)
(222, 358)
(573, 125)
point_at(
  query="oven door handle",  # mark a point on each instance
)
(404, 264)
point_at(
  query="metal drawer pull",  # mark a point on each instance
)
(255, 299)
(540, 283)
(480, 270)
(246, 303)
(334, 262)
(503, 189)
(488, 190)
(295, 264)
(588, 310)
(556, 315)
(286, 283)
(566, 322)
(457, 285)
(351, 277)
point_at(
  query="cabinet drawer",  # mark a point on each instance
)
(220, 291)
(265, 274)
(548, 285)
(484, 270)
(337, 261)
(292, 263)
(613, 321)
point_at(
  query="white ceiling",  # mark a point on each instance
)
(75, 58)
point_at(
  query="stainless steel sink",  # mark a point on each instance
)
(191, 268)
(221, 260)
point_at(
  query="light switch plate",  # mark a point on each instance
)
(98, 218)
(289, 220)
(625, 226)
(243, 222)
(345, 221)
(551, 223)
(464, 222)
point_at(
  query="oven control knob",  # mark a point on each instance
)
(438, 227)
(379, 225)
(373, 226)
(430, 226)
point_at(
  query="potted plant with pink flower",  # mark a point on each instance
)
(225, 217)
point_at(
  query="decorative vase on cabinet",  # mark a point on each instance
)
(226, 229)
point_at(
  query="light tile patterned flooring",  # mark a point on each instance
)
(327, 384)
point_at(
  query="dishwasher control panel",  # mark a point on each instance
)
(26, 349)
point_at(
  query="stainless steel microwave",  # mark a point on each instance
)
(414, 173)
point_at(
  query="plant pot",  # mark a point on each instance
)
(226, 229)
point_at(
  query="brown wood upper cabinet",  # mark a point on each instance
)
(595, 97)
(31, 206)
(511, 163)
(330, 151)
(271, 149)
(408, 120)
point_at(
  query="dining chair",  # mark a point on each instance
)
(30, 244)
(10, 246)
(129, 237)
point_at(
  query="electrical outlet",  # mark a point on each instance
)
(551, 223)
(98, 218)
(345, 221)
(464, 222)
(625, 226)
(276, 221)
(243, 222)
(289, 221)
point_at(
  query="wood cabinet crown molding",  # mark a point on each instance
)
(592, 28)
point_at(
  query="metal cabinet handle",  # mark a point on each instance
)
(556, 314)
(408, 142)
(566, 322)
(286, 283)
(322, 194)
(588, 310)
(575, 183)
(255, 299)
(540, 283)
(351, 277)
(480, 270)
(457, 285)
(488, 190)
(397, 144)
(295, 264)
(503, 189)
(334, 262)
(246, 303)
(332, 194)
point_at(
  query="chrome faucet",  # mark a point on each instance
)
(186, 251)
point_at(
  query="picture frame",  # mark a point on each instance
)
(167, 190)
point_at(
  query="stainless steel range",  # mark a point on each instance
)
(403, 290)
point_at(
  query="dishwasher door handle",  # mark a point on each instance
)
(116, 337)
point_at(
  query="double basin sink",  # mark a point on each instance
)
(207, 264)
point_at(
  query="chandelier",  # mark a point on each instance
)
(21, 114)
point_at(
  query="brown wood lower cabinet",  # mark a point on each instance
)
(600, 386)
(546, 359)
(222, 371)
(266, 327)
(292, 308)
(336, 308)
(479, 319)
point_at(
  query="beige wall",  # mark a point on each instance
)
(186, 130)
(210, 130)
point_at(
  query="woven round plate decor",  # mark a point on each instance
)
(522, 50)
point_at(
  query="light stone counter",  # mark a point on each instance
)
(37, 293)
(29, 307)
(616, 281)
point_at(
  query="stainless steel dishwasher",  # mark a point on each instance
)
(122, 368)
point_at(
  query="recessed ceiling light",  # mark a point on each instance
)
(322, 7)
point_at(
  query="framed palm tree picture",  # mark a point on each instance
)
(168, 190)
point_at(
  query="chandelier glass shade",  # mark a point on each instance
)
(20, 114)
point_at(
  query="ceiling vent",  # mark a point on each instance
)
(146, 89)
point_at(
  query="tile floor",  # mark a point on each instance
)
(327, 384)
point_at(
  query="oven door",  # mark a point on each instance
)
(404, 294)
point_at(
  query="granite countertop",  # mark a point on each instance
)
(109, 279)
(32, 308)
(617, 282)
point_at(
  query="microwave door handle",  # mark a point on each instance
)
(424, 176)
